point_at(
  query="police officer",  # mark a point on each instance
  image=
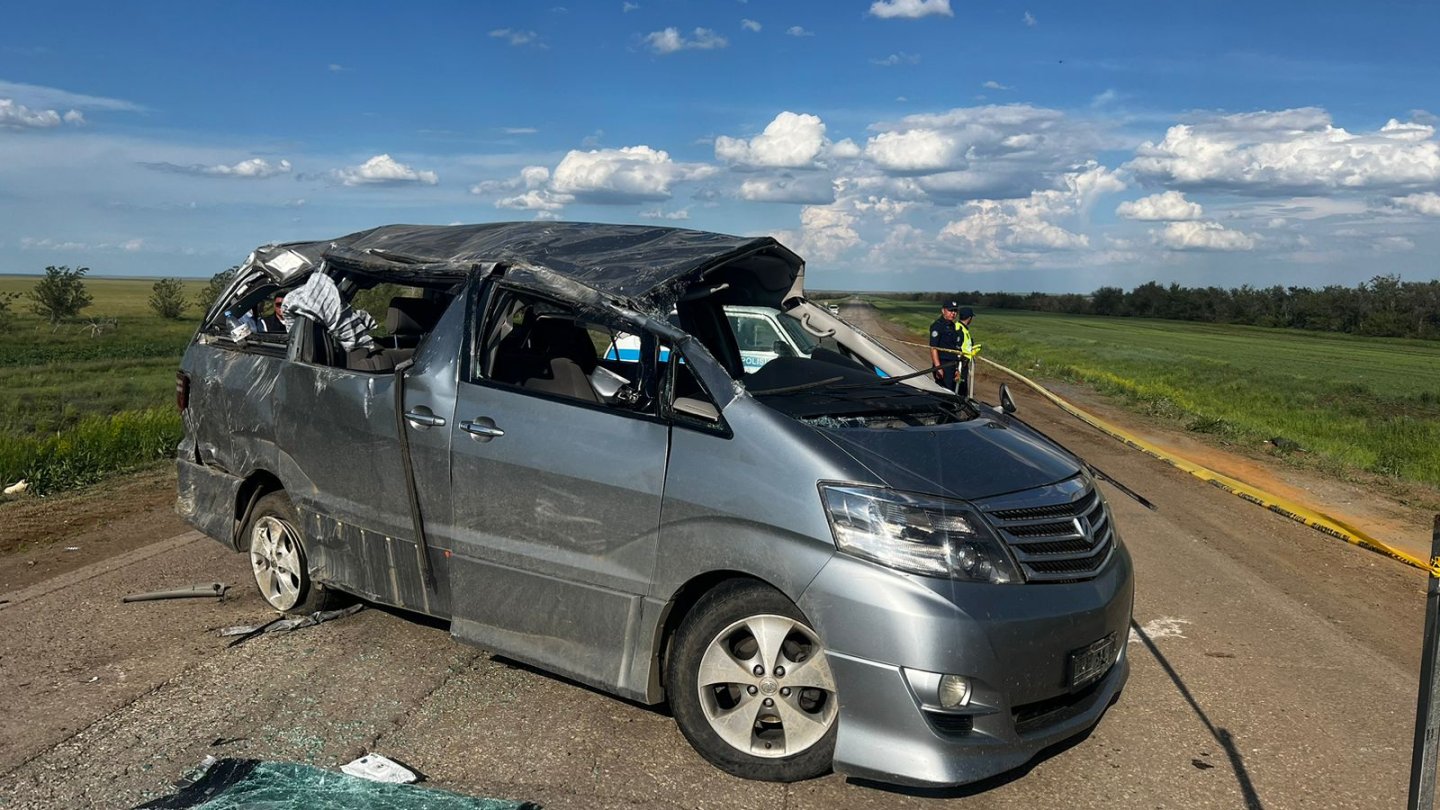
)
(967, 348)
(945, 334)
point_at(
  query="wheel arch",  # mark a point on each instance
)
(681, 603)
(255, 486)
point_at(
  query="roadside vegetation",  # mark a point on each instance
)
(1349, 403)
(1384, 306)
(90, 392)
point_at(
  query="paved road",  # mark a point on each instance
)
(1272, 668)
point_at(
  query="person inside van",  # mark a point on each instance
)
(274, 322)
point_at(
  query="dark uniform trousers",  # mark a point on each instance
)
(944, 335)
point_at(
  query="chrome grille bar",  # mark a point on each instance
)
(1059, 533)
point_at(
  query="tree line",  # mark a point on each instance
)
(60, 295)
(1384, 306)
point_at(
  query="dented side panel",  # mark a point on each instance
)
(206, 498)
(338, 428)
(556, 530)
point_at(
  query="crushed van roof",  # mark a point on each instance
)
(642, 265)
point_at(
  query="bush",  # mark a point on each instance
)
(61, 294)
(167, 298)
(217, 285)
(90, 449)
(6, 316)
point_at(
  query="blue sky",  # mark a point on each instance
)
(898, 144)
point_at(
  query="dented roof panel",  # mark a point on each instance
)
(641, 265)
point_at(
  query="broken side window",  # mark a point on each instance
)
(247, 321)
(370, 325)
(550, 348)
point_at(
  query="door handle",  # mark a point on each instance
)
(483, 429)
(424, 419)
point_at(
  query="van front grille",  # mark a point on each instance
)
(1059, 533)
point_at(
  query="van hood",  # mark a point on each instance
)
(978, 458)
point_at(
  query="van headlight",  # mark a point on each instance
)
(920, 534)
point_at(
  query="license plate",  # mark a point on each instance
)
(1091, 661)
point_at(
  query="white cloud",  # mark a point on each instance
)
(674, 216)
(1427, 203)
(994, 85)
(671, 40)
(1290, 152)
(826, 232)
(845, 149)
(750, 25)
(997, 151)
(384, 170)
(519, 130)
(798, 31)
(910, 9)
(515, 37)
(534, 176)
(1167, 206)
(626, 175)
(627, 7)
(46, 244)
(335, 68)
(19, 116)
(1393, 244)
(812, 189)
(1029, 20)
(34, 95)
(994, 227)
(253, 169)
(999, 231)
(533, 200)
(1207, 235)
(790, 141)
(887, 209)
(530, 178)
(897, 58)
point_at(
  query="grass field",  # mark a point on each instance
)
(1355, 403)
(80, 401)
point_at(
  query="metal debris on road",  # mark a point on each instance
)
(215, 589)
(246, 632)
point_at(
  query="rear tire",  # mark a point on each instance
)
(279, 561)
(750, 685)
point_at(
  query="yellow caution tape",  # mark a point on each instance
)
(1316, 520)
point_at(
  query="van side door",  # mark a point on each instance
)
(557, 489)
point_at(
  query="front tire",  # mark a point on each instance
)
(279, 562)
(751, 687)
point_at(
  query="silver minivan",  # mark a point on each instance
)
(816, 566)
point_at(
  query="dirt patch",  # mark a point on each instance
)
(43, 537)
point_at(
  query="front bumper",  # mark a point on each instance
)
(1012, 641)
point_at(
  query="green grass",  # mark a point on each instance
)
(1355, 403)
(79, 401)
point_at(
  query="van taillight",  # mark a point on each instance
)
(182, 390)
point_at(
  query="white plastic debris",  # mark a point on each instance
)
(377, 768)
(17, 487)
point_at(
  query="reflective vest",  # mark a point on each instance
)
(967, 348)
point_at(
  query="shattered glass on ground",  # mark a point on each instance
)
(248, 784)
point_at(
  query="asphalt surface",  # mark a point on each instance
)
(1271, 667)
